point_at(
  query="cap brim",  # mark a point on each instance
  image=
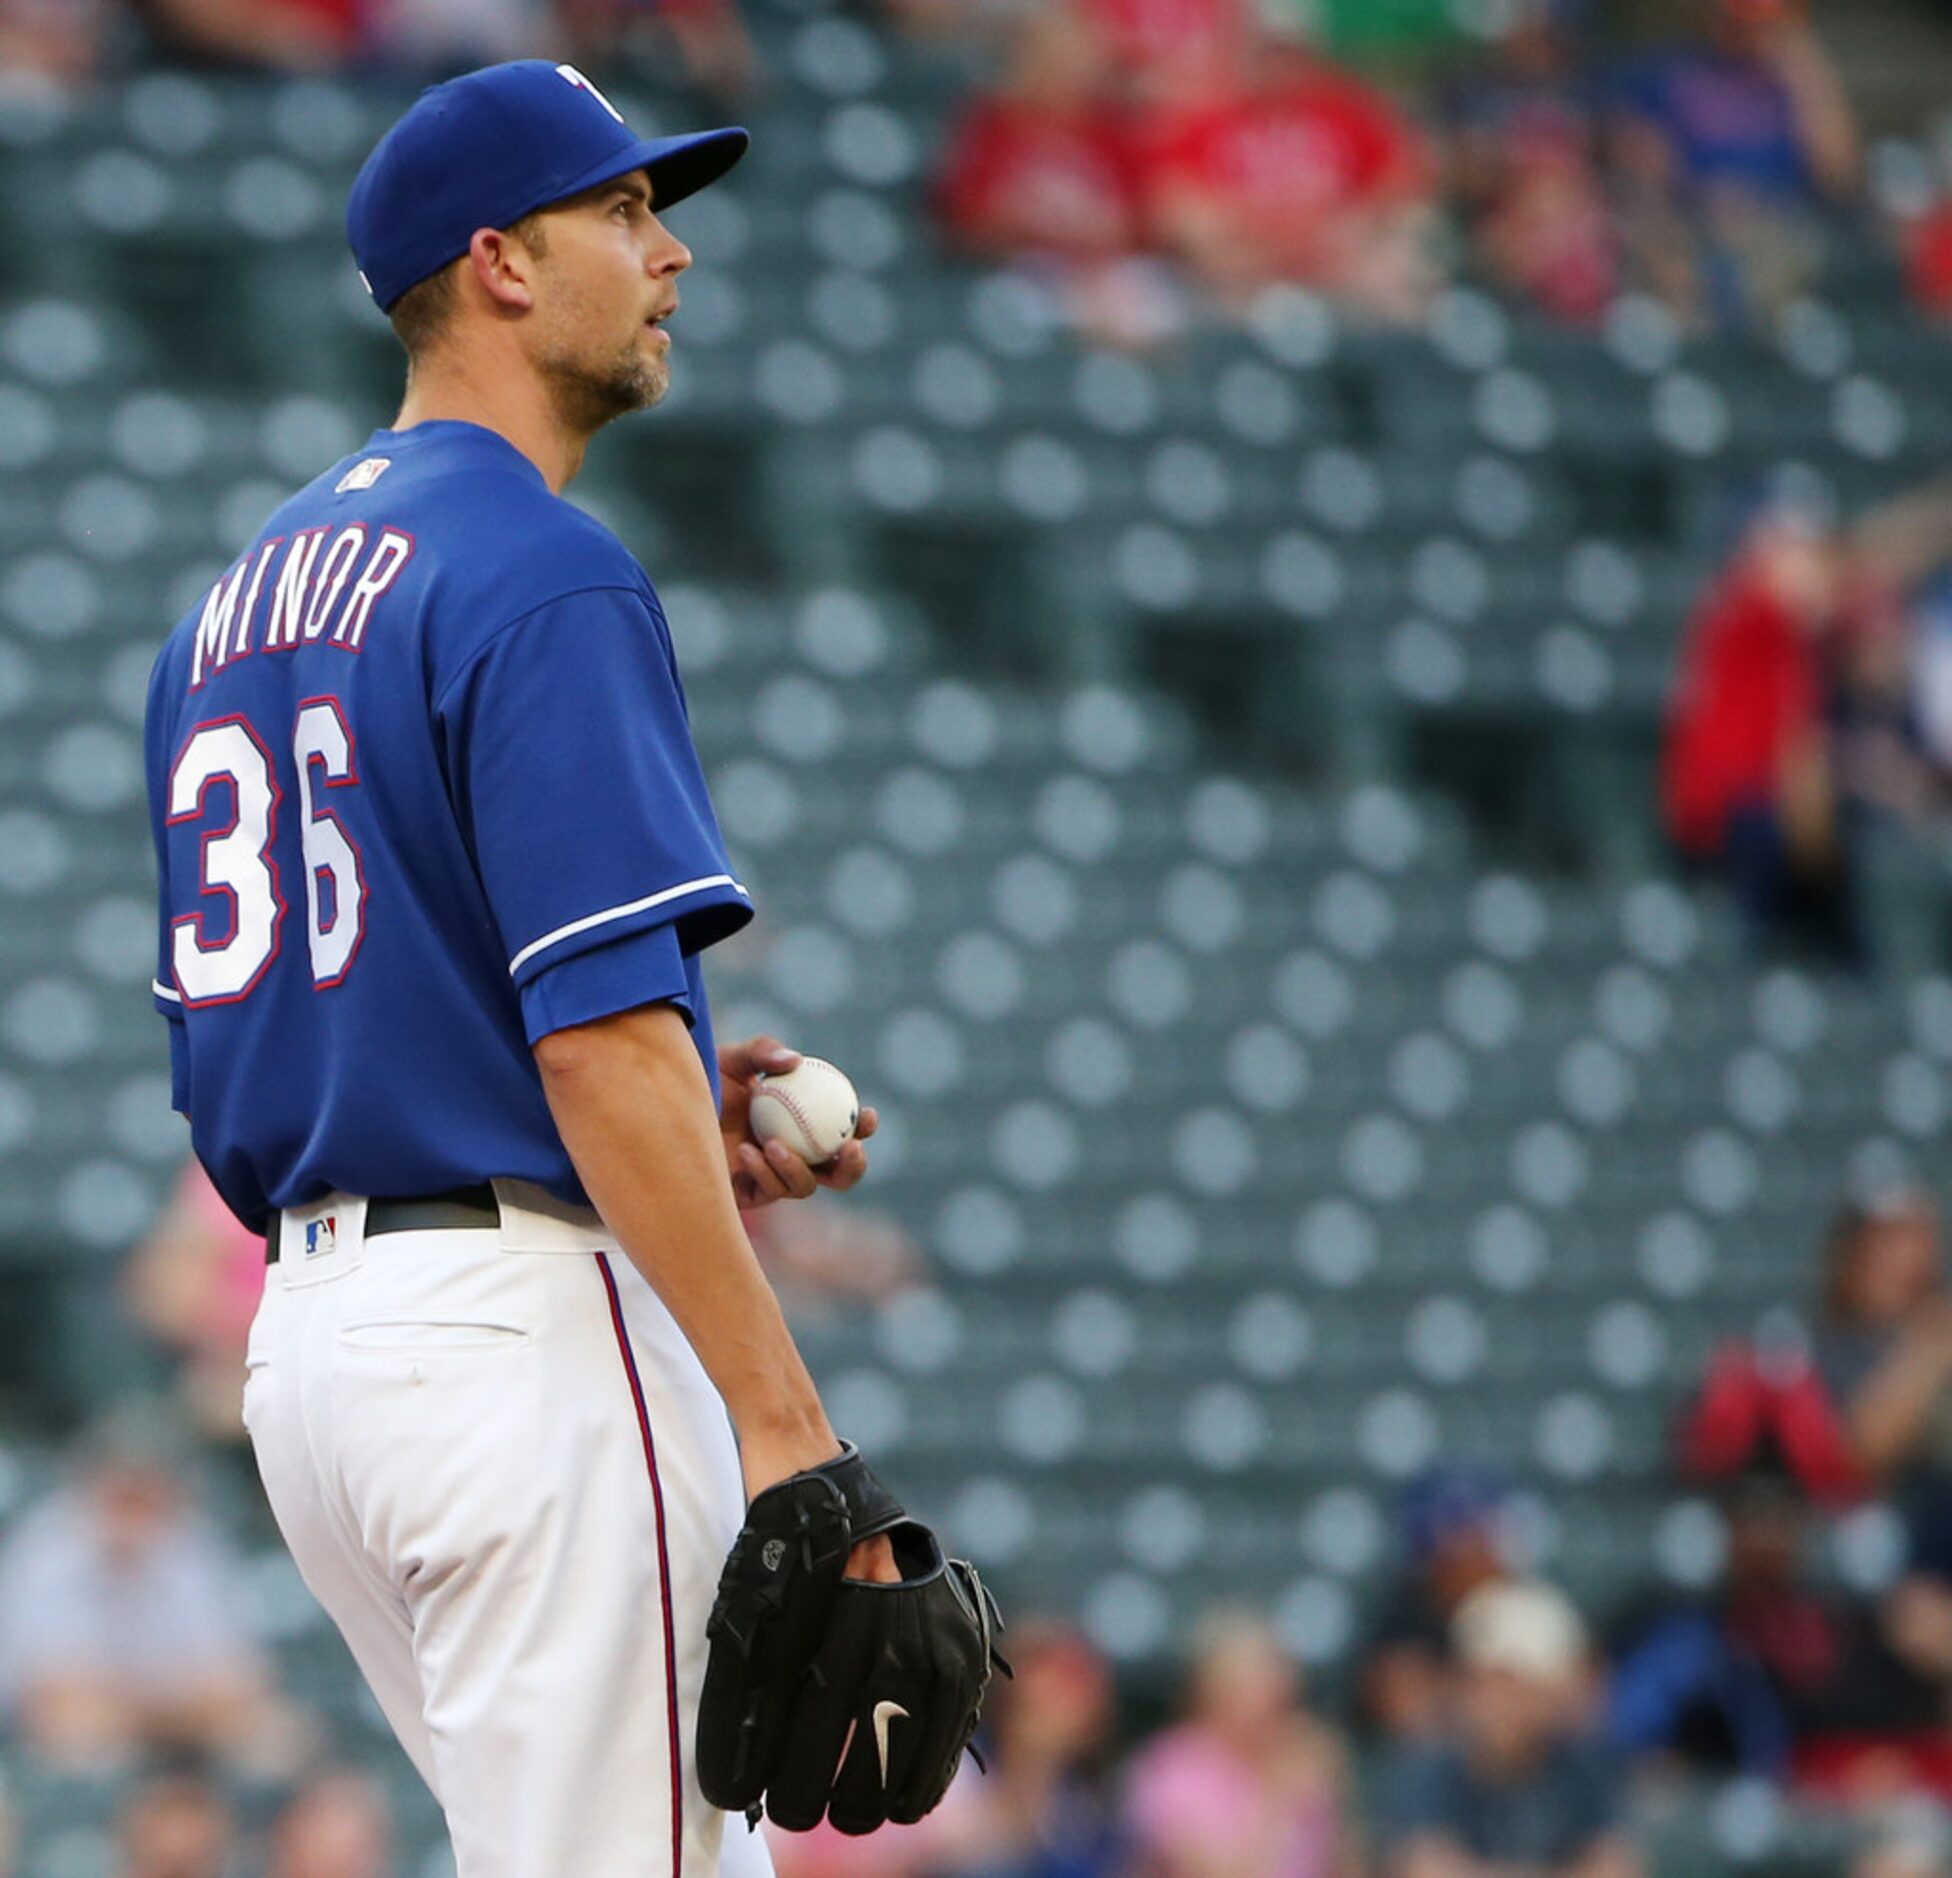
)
(678, 166)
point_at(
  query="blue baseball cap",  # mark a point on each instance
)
(485, 150)
(1448, 1500)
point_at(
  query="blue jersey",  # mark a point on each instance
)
(1732, 121)
(423, 790)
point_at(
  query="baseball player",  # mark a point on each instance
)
(437, 866)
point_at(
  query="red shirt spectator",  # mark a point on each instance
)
(56, 42)
(1167, 39)
(1044, 166)
(1751, 693)
(1928, 261)
(1285, 179)
(1023, 180)
(345, 20)
(1314, 143)
(277, 35)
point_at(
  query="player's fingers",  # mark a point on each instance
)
(796, 1176)
(756, 1056)
(873, 1562)
(767, 1184)
(846, 1168)
(869, 1121)
(769, 1054)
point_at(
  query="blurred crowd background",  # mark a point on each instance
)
(1325, 632)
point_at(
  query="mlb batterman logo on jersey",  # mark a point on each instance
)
(362, 475)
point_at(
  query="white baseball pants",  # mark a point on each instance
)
(503, 1472)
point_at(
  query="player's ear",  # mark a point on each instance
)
(504, 267)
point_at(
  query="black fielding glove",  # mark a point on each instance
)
(893, 1696)
(829, 1697)
(775, 1599)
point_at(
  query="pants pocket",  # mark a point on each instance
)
(255, 1374)
(421, 1334)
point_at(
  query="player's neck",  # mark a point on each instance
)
(514, 407)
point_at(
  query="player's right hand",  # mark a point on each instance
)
(763, 1173)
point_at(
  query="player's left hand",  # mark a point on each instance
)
(761, 1175)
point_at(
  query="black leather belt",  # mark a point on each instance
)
(465, 1209)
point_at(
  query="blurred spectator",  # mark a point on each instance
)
(1914, 1844)
(1881, 1736)
(434, 37)
(1250, 1781)
(1453, 1536)
(194, 1283)
(1748, 777)
(122, 1626)
(970, 22)
(1724, 148)
(1930, 674)
(1765, 1664)
(817, 1258)
(338, 1826)
(709, 36)
(1525, 168)
(1901, 1858)
(51, 42)
(1927, 243)
(1922, 226)
(1769, 1675)
(1164, 47)
(1884, 1349)
(1042, 169)
(1903, 553)
(1041, 1812)
(273, 35)
(1283, 168)
(175, 1827)
(892, 1852)
(1518, 1786)
(1042, 165)
(1765, 1403)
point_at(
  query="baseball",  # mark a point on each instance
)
(813, 1109)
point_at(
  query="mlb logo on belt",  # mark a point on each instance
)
(321, 1235)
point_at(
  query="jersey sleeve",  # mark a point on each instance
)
(579, 792)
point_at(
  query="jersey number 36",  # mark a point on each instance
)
(217, 960)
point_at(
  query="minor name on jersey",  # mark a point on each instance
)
(320, 584)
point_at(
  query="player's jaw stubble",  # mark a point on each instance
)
(592, 385)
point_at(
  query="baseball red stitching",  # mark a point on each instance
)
(785, 1097)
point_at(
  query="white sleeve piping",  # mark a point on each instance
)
(575, 926)
(163, 991)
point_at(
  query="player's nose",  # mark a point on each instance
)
(666, 254)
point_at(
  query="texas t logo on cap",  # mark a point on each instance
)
(576, 78)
